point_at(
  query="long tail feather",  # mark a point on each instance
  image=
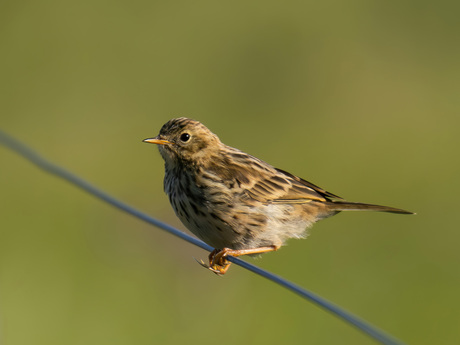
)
(357, 206)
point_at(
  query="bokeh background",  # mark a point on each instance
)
(361, 98)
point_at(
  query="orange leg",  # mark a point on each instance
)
(219, 264)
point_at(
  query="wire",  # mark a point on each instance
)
(54, 169)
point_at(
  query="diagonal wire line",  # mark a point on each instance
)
(29, 154)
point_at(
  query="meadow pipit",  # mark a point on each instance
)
(235, 202)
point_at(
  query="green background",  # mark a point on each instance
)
(359, 97)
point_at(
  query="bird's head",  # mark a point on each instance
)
(185, 141)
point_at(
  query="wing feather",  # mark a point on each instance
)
(262, 182)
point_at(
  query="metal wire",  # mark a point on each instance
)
(58, 171)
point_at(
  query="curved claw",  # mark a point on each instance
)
(219, 270)
(201, 262)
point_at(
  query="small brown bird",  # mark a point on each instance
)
(235, 202)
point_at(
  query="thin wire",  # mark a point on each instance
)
(54, 169)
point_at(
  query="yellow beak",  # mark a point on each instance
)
(157, 141)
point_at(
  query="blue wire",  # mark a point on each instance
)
(54, 169)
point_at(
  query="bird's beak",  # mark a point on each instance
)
(157, 141)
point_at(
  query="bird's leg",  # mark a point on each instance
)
(219, 264)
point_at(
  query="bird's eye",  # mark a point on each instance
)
(185, 137)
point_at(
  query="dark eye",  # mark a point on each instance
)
(185, 137)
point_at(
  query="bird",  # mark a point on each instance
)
(235, 202)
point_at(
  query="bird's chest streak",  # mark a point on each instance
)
(199, 205)
(206, 207)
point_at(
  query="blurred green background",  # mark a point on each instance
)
(361, 98)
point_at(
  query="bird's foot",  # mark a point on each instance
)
(219, 264)
(217, 261)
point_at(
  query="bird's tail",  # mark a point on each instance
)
(357, 206)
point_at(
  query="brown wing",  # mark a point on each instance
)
(317, 189)
(262, 182)
(283, 187)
